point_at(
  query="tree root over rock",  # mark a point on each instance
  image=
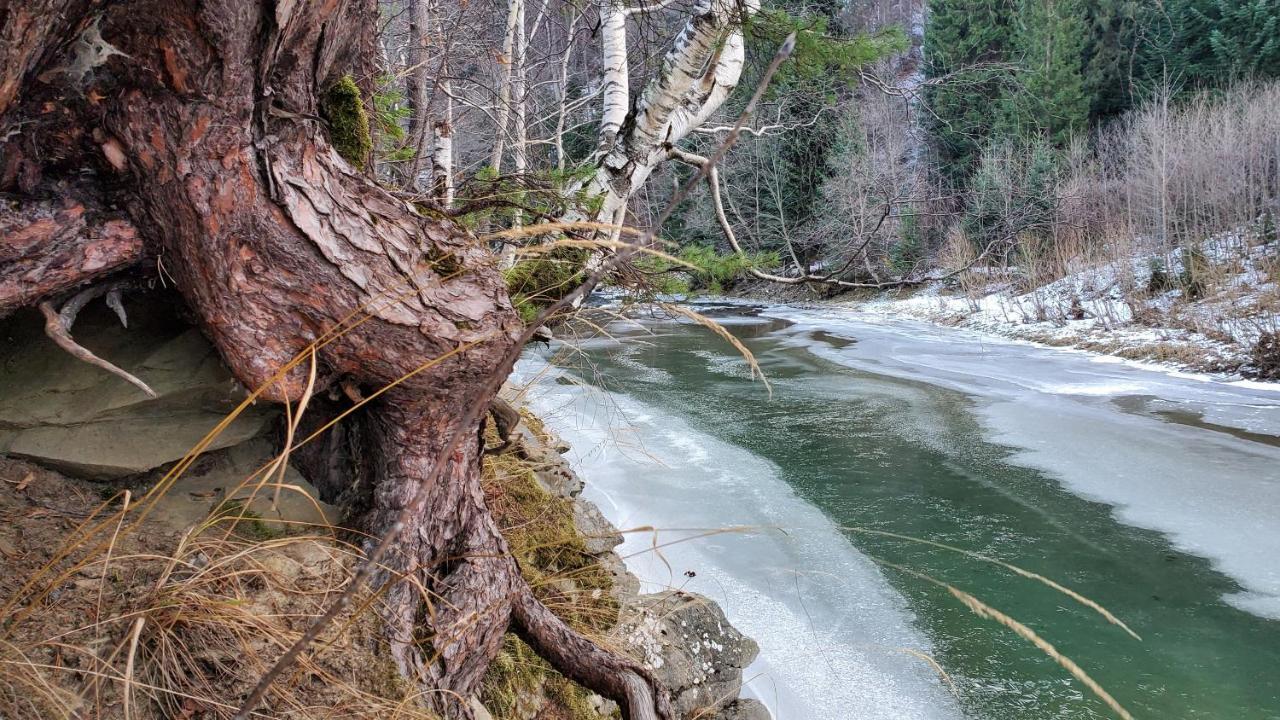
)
(204, 121)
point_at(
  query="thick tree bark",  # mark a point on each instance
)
(204, 129)
(51, 246)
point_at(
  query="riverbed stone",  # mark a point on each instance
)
(690, 647)
(79, 419)
(743, 709)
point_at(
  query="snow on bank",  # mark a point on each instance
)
(1106, 307)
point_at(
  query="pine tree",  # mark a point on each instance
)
(964, 41)
(1051, 103)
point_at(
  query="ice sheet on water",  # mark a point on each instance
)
(1213, 492)
(835, 638)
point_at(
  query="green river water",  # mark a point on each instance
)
(886, 445)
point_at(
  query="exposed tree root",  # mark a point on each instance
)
(57, 325)
(53, 246)
(585, 662)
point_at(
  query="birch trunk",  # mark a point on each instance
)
(515, 17)
(697, 75)
(417, 87)
(442, 144)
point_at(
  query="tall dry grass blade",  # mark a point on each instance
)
(984, 610)
(1010, 567)
(937, 667)
(291, 427)
(727, 336)
(127, 694)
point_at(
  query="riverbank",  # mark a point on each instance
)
(136, 581)
(706, 516)
(567, 550)
(1224, 319)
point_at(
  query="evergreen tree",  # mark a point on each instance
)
(1205, 43)
(1050, 99)
(966, 44)
(1109, 56)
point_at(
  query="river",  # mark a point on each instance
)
(1155, 494)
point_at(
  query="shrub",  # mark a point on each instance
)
(1267, 229)
(1195, 273)
(1159, 282)
(1266, 355)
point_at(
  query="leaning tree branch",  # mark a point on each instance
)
(713, 181)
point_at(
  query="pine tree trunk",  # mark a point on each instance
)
(191, 134)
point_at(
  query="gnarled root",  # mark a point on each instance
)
(57, 325)
(461, 587)
(583, 661)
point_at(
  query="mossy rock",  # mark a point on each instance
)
(343, 108)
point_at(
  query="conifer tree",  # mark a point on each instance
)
(964, 41)
(1049, 98)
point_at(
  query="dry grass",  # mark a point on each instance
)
(179, 626)
(1106, 614)
(984, 610)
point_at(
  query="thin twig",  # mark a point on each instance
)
(61, 334)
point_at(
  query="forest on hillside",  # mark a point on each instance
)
(1002, 120)
(984, 147)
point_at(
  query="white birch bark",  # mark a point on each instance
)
(442, 158)
(697, 74)
(519, 91)
(617, 82)
(515, 15)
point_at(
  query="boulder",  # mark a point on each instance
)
(599, 534)
(691, 648)
(84, 421)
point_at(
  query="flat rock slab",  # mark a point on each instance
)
(84, 421)
(230, 480)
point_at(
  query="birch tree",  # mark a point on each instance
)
(697, 74)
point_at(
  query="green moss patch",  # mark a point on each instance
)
(540, 530)
(343, 108)
(540, 281)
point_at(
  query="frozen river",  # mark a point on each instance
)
(1156, 495)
